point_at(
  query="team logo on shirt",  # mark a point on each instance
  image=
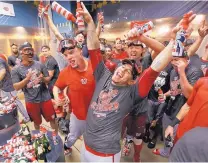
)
(160, 80)
(34, 80)
(105, 103)
(84, 81)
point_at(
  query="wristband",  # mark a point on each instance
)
(174, 122)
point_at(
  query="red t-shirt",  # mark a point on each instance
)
(81, 87)
(121, 56)
(198, 113)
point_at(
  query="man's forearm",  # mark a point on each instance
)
(92, 38)
(53, 28)
(98, 29)
(183, 112)
(163, 58)
(152, 43)
(195, 46)
(185, 86)
(20, 85)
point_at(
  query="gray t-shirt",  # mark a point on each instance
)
(14, 60)
(6, 83)
(51, 64)
(199, 63)
(109, 105)
(36, 92)
(192, 147)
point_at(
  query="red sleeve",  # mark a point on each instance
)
(95, 57)
(194, 91)
(146, 81)
(61, 81)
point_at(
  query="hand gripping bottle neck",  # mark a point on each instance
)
(101, 22)
(178, 47)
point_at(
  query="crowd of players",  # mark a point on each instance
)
(133, 90)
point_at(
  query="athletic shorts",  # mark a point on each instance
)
(35, 110)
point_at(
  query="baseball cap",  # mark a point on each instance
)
(135, 43)
(25, 46)
(135, 67)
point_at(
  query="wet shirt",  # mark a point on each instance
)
(6, 83)
(34, 91)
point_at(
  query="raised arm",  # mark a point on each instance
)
(53, 28)
(50, 23)
(99, 25)
(148, 77)
(203, 31)
(93, 44)
(160, 62)
(155, 45)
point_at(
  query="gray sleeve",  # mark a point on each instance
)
(194, 76)
(100, 71)
(52, 64)
(44, 70)
(15, 76)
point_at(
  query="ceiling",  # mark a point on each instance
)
(161, 31)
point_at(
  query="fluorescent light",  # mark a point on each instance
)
(163, 29)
